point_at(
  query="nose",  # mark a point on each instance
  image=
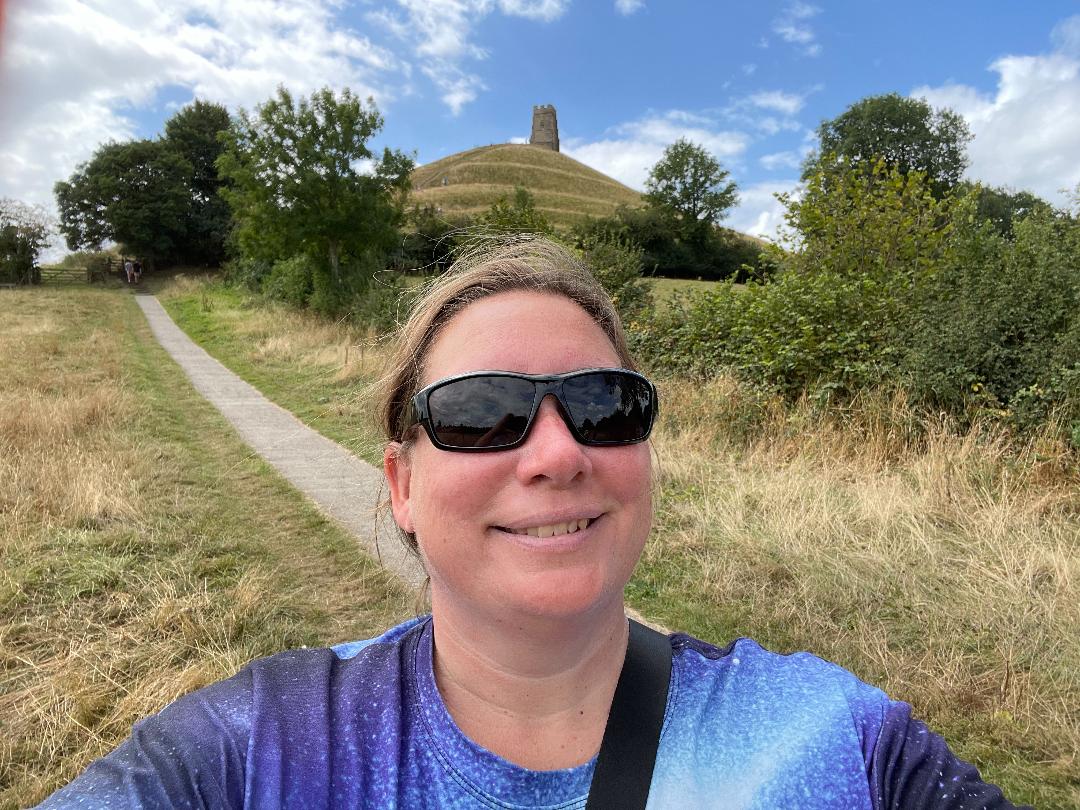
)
(550, 451)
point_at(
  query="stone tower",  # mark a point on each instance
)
(545, 128)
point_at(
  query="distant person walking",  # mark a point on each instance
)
(137, 268)
(129, 270)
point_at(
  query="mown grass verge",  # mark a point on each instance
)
(944, 568)
(145, 551)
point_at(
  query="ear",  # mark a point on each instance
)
(399, 477)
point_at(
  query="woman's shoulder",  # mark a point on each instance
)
(744, 674)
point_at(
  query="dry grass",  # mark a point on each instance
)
(145, 553)
(944, 568)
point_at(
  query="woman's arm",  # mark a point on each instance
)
(912, 766)
(191, 755)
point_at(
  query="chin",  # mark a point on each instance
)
(561, 596)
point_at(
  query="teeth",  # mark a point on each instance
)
(555, 529)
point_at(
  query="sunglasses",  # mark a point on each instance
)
(494, 410)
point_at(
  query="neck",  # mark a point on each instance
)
(535, 691)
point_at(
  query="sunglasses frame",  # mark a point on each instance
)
(418, 411)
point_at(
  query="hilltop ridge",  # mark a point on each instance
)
(566, 190)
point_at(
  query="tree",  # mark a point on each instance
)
(24, 232)
(295, 184)
(516, 216)
(907, 133)
(1004, 208)
(690, 184)
(135, 194)
(193, 133)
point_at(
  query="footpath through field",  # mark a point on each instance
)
(345, 487)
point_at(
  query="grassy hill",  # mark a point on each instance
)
(565, 190)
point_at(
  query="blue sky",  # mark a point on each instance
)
(749, 81)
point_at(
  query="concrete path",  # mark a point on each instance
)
(345, 487)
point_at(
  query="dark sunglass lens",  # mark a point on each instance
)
(481, 411)
(609, 406)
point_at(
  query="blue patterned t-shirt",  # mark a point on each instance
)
(362, 725)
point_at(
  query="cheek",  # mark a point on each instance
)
(628, 476)
(450, 489)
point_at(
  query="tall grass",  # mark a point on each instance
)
(943, 567)
(144, 552)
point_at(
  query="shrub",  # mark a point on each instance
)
(998, 326)
(617, 264)
(290, 281)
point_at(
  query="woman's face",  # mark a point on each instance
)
(471, 512)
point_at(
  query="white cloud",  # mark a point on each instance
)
(748, 110)
(628, 7)
(74, 72)
(749, 69)
(633, 148)
(777, 160)
(779, 101)
(759, 213)
(793, 27)
(1026, 129)
(544, 10)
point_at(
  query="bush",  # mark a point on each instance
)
(246, 272)
(431, 240)
(617, 265)
(290, 281)
(383, 304)
(716, 254)
(998, 327)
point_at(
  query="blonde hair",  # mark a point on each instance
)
(523, 262)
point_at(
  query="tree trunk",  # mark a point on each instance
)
(335, 263)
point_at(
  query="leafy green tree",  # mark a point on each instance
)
(296, 185)
(691, 185)
(24, 232)
(1002, 207)
(193, 133)
(907, 133)
(135, 194)
(518, 215)
(830, 323)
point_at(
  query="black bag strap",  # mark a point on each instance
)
(624, 766)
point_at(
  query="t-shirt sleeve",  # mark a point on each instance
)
(911, 766)
(190, 755)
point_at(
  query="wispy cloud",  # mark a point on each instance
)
(769, 111)
(778, 101)
(758, 212)
(628, 7)
(793, 27)
(439, 33)
(780, 160)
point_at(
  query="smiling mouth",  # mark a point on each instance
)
(552, 529)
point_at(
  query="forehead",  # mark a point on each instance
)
(530, 332)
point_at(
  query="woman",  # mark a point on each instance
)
(519, 470)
